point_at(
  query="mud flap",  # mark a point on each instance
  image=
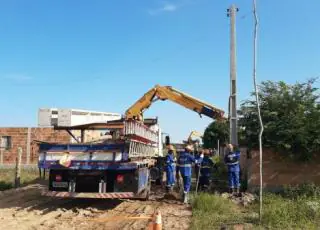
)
(144, 184)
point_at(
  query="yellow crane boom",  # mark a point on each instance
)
(194, 134)
(169, 93)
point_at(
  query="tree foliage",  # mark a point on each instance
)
(291, 116)
(214, 132)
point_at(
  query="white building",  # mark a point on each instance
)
(50, 117)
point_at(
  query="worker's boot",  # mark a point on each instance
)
(231, 190)
(234, 191)
(238, 192)
(185, 197)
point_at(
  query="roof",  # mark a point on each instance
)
(115, 124)
(118, 124)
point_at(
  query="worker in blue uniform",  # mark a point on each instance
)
(184, 166)
(207, 167)
(170, 168)
(232, 159)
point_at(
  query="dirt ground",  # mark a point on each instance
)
(25, 208)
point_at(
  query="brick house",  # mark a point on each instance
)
(12, 138)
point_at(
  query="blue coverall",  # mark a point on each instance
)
(184, 165)
(232, 161)
(170, 168)
(205, 171)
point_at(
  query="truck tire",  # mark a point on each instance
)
(154, 174)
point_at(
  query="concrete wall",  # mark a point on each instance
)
(278, 171)
(25, 138)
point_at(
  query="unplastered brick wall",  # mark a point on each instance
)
(19, 138)
(279, 171)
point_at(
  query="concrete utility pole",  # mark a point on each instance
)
(233, 77)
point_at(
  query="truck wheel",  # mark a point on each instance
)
(155, 175)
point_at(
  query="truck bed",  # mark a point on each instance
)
(92, 156)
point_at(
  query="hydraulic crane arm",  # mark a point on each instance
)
(194, 134)
(174, 95)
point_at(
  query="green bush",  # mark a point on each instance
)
(5, 185)
(220, 176)
(291, 115)
(306, 190)
(216, 159)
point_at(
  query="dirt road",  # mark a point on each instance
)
(25, 208)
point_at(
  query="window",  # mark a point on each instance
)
(5, 142)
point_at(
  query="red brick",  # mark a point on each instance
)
(19, 139)
(278, 171)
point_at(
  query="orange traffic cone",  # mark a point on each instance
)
(157, 225)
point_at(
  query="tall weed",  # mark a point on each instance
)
(211, 211)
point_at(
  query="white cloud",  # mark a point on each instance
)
(169, 7)
(166, 7)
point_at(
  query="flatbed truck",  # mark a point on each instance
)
(118, 167)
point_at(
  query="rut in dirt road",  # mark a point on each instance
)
(26, 209)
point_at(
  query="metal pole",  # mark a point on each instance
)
(82, 135)
(218, 150)
(257, 99)
(233, 76)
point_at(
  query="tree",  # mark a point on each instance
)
(291, 116)
(217, 130)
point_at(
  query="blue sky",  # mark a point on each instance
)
(104, 55)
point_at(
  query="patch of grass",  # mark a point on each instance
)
(211, 212)
(281, 213)
(7, 177)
